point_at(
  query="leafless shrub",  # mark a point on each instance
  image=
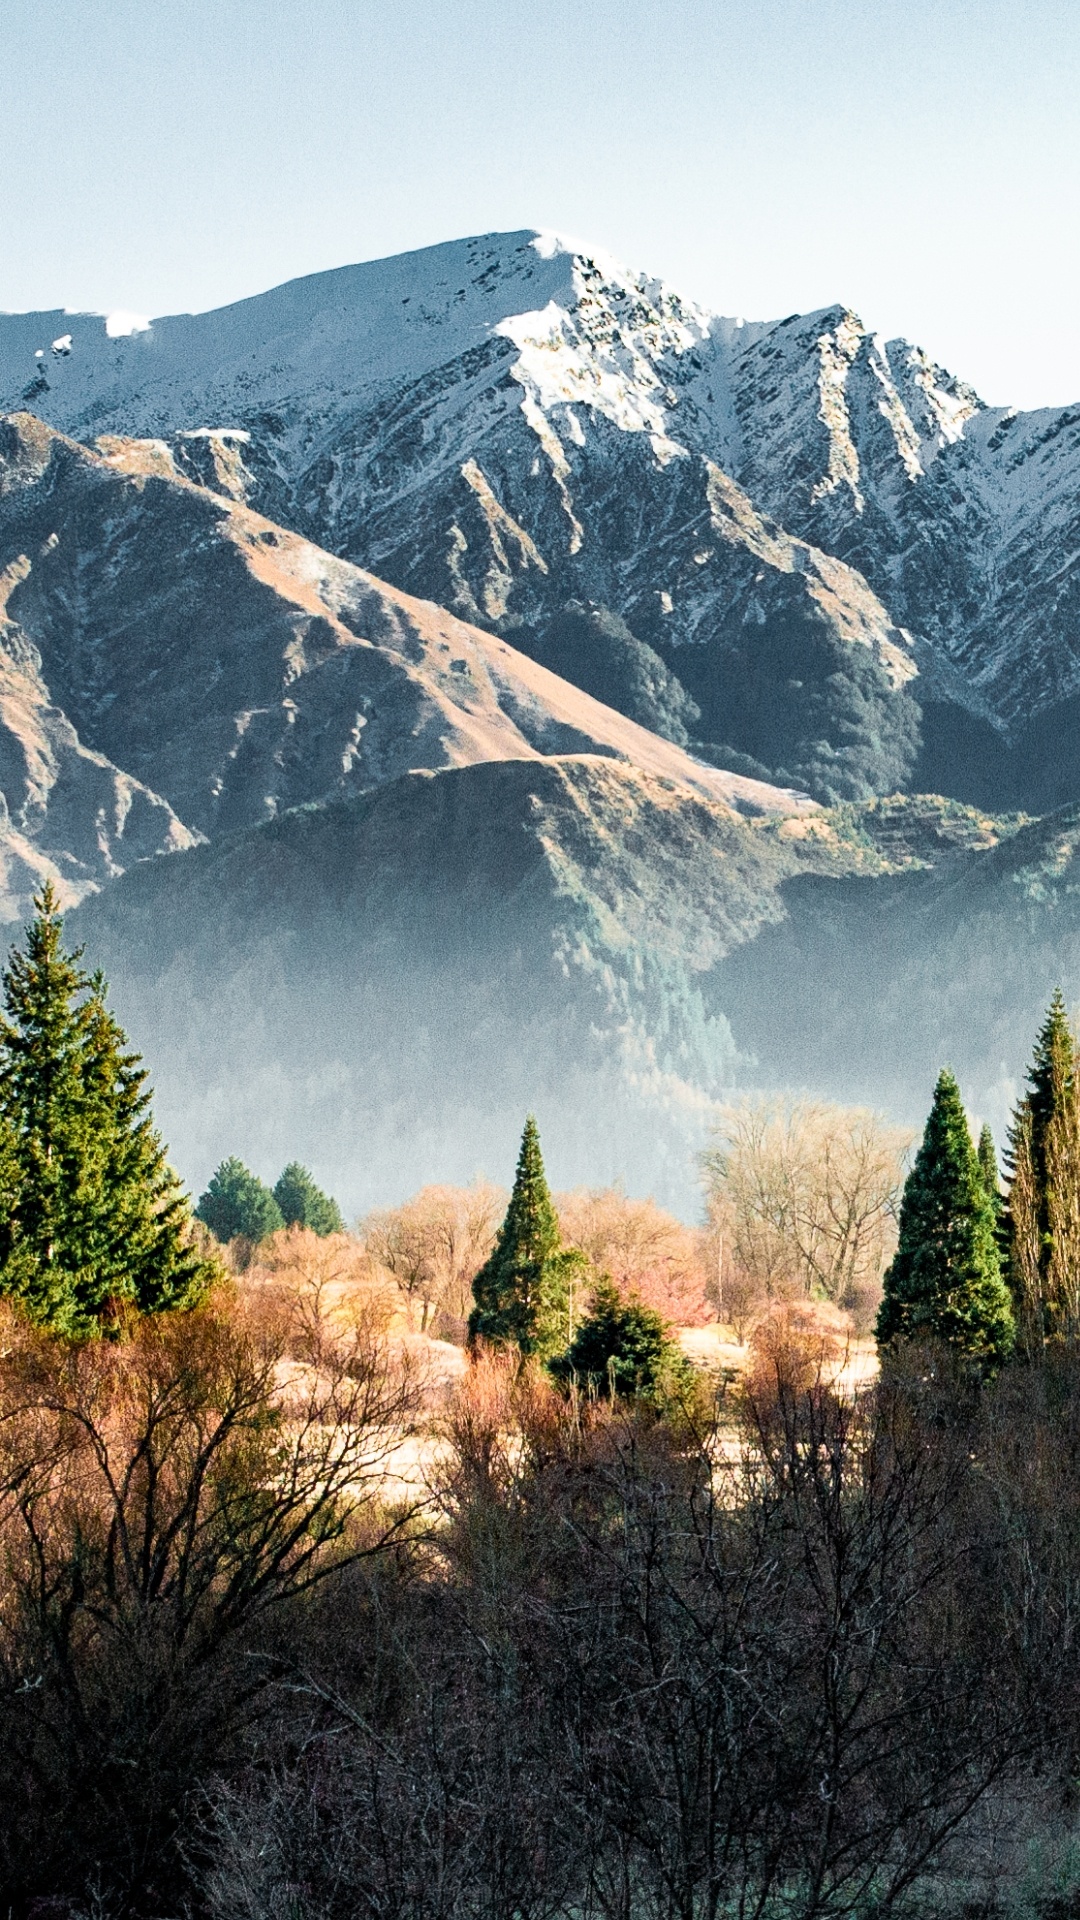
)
(432, 1246)
(328, 1284)
(162, 1500)
(796, 1347)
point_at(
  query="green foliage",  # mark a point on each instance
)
(1043, 1219)
(988, 1166)
(945, 1283)
(594, 649)
(622, 1348)
(303, 1204)
(92, 1220)
(522, 1292)
(236, 1203)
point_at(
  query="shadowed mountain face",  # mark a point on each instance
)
(396, 979)
(874, 983)
(791, 517)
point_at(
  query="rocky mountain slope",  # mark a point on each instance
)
(394, 979)
(820, 541)
(174, 666)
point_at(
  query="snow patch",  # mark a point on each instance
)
(121, 323)
(836, 350)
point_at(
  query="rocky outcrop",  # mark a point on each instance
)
(67, 813)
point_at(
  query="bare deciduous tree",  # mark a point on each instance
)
(328, 1279)
(805, 1195)
(644, 1249)
(432, 1246)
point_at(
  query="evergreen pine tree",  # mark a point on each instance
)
(945, 1281)
(92, 1220)
(988, 1167)
(622, 1348)
(522, 1292)
(237, 1204)
(1043, 1212)
(303, 1204)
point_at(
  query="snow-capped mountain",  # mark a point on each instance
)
(792, 542)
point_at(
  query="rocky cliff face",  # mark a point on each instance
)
(828, 541)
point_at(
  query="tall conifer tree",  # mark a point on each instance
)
(1043, 1214)
(988, 1165)
(945, 1282)
(92, 1221)
(237, 1203)
(522, 1292)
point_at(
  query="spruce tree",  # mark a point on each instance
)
(988, 1166)
(622, 1348)
(92, 1220)
(945, 1282)
(1043, 1213)
(303, 1204)
(522, 1292)
(237, 1204)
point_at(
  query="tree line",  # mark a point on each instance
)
(628, 1642)
(994, 1275)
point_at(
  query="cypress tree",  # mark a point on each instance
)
(303, 1204)
(945, 1282)
(522, 1292)
(92, 1220)
(1043, 1213)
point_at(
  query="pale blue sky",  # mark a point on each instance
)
(919, 161)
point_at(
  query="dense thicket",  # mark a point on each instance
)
(650, 1679)
(165, 1503)
(647, 1671)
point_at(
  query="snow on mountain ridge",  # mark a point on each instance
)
(475, 418)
